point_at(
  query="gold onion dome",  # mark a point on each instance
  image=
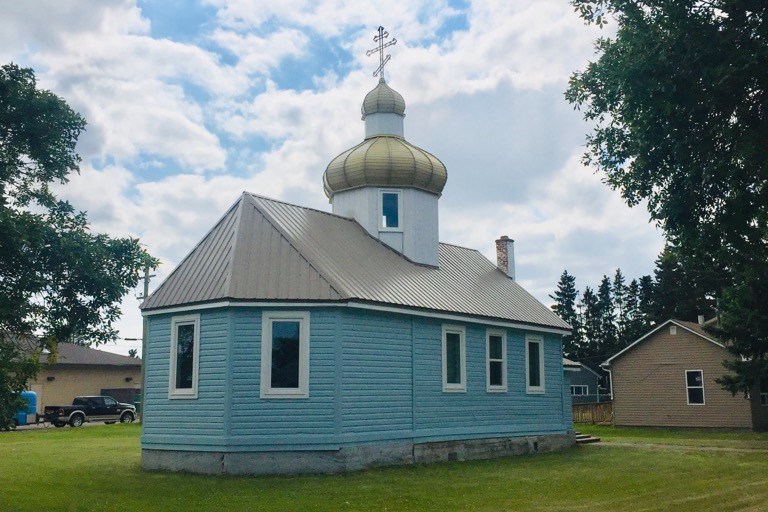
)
(385, 161)
(383, 99)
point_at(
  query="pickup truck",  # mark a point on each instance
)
(89, 408)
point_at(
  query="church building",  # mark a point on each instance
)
(292, 340)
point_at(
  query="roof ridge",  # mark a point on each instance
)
(331, 282)
(459, 246)
(298, 206)
(227, 287)
(192, 251)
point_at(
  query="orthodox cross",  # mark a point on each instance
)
(383, 34)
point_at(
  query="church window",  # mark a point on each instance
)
(496, 361)
(534, 364)
(454, 359)
(391, 210)
(185, 348)
(285, 354)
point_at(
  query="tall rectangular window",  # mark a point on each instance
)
(285, 354)
(496, 361)
(694, 386)
(534, 364)
(185, 348)
(454, 359)
(390, 210)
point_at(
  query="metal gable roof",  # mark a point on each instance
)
(284, 251)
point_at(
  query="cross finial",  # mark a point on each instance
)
(383, 34)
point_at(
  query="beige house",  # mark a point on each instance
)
(85, 371)
(667, 379)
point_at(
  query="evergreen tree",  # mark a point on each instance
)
(620, 292)
(591, 333)
(565, 297)
(606, 309)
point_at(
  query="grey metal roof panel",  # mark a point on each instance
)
(285, 251)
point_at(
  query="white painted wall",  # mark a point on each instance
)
(384, 124)
(418, 239)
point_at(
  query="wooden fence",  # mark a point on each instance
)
(601, 413)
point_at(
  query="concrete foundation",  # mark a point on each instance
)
(348, 458)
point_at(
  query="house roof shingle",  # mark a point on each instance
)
(70, 354)
(263, 249)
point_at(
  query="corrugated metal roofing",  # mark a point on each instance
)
(265, 250)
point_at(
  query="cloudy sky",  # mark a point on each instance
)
(189, 103)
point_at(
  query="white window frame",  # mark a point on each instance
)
(687, 387)
(460, 387)
(503, 335)
(399, 194)
(267, 391)
(540, 389)
(184, 393)
(584, 388)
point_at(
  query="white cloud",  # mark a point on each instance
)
(487, 100)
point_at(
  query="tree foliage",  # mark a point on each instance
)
(679, 97)
(58, 281)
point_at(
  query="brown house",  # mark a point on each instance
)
(667, 379)
(85, 371)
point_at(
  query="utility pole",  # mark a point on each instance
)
(146, 278)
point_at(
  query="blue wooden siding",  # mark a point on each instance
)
(186, 421)
(440, 415)
(373, 377)
(282, 421)
(376, 375)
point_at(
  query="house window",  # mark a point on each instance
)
(534, 364)
(285, 354)
(391, 210)
(764, 399)
(184, 360)
(454, 359)
(694, 385)
(673, 330)
(496, 361)
(579, 390)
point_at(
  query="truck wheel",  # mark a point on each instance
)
(76, 420)
(59, 424)
(126, 417)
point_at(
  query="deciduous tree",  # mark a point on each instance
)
(58, 280)
(679, 97)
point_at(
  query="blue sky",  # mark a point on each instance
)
(190, 103)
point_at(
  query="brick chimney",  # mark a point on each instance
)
(505, 256)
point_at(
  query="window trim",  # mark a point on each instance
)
(266, 389)
(540, 389)
(687, 387)
(460, 387)
(183, 393)
(380, 221)
(495, 388)
(584, 387)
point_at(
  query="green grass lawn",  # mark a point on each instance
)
(97, 469)
(680, 437)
